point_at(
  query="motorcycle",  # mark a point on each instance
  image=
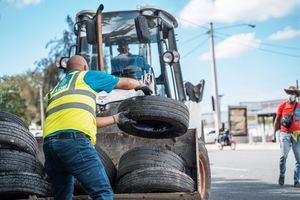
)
(225, 140)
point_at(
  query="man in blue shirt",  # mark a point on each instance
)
(125, 58)
(70, 130)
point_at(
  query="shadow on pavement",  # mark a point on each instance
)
(251, 189)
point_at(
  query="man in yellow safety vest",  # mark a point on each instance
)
(71, 126)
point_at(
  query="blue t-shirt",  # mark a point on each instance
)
(100, 81)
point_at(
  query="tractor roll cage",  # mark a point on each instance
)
(120, 25)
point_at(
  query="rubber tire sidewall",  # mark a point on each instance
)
(10, 117)
(145, 157)
(155, 178)
(15, 136)
(204, 171)
(155, 108)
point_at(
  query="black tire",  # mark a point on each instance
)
(109, 166)
(155, 179)
(156, 117)
(9, 117)
(17, 161)
(16, 185)
(110, 169)
(204, 171)
(145, 157)
(17, 137)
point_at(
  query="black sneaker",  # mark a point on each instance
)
(281, 180)
(297, 185)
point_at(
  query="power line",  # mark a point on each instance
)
(279, 53)
(196, 47)
(193, 23)
(231, 26)
(235, 25)
(266, 44)
(259, 48)
(194, 37)
(265, 50)
(280, 46)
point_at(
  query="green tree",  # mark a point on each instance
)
(57, 48)
(20, 94)
(11, 99)
(29, 84)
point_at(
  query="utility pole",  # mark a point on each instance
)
(217, 113)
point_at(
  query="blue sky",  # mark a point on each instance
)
(247, 70)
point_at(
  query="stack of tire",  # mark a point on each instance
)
(148, 169)
(151, 170)
(21, 173)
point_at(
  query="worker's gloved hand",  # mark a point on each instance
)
(146, 90)
(123, 118)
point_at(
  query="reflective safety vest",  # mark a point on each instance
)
(71, 105)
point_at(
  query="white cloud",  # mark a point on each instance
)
(234, 46)
(23, 3)
(286, 33)
(204, 11)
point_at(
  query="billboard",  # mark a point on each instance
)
(237, 120)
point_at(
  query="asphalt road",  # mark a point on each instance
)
(250, 174)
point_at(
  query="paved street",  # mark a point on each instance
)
(250, 173)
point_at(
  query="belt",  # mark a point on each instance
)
(68, 135)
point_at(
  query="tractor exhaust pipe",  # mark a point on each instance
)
(99, 37)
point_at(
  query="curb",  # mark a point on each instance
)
(254, 146)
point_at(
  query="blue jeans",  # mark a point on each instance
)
(68, 158)
(286, 143)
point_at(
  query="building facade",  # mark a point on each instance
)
(260, 118)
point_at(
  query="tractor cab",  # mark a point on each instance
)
(139, 44)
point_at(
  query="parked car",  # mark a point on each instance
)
(211, 137)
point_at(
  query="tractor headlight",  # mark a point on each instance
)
(176, 56)
(171, 57)
(62, 62)
(168, 57)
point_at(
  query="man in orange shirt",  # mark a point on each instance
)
(289, 137)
